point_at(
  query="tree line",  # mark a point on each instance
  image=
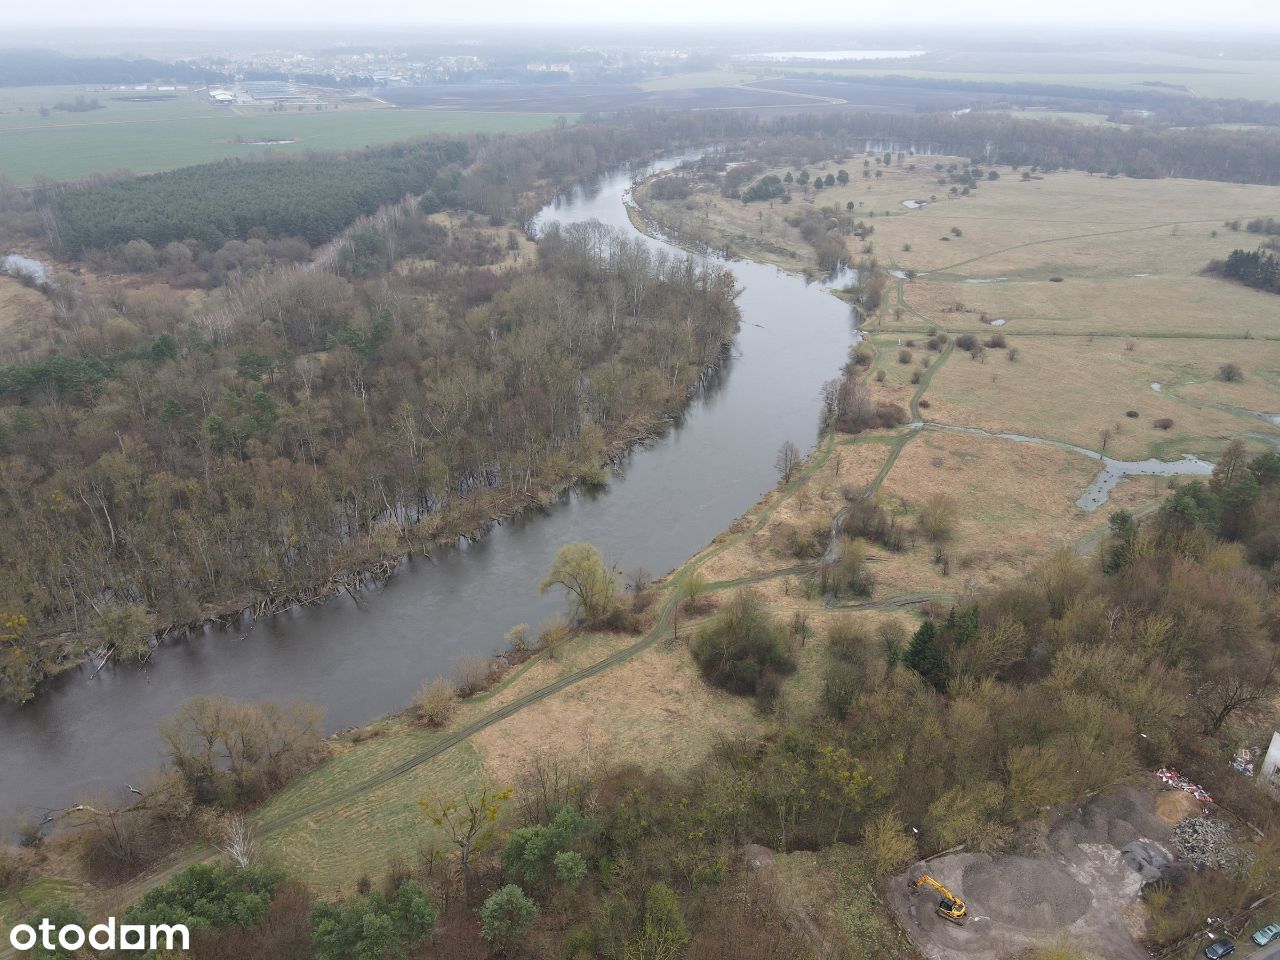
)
(1239, 156)
(31, 67)
(1259, 268)
(1166, 107)
(314, 198)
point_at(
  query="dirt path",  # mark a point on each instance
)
(661, 629)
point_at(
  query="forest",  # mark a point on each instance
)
(314, 198)
(32, 67)
(159, 469)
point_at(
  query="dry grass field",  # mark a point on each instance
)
(1129, 252)
(1016, 506)
(653, 709)
(1073, 389)
(24, 313)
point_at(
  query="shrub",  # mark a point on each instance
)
(841, 685)
(966, 341)
(740, 644)
(471, 675)
(904, 355)
(1164, 423)
(372, 926)
(937, 516)
(517, 638)
(889, 844)
(1131, 414)
(1055, 279)
(283, 933)
(848, 575)
(889, 415)
(571, 868)
(271, 744)
(869, 520)
(209, 896)
(923, 404)
(847, 640)
(60, 914)
(996, 341)
(664, 933)
(529, 852)
(506, 916)
(800, 542)
(435, 702)
(880, 376)
(917, 376)
(16, 866)
(1230, 373)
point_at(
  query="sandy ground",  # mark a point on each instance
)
(1075, 883)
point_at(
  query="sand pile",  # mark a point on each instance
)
(1033, 894)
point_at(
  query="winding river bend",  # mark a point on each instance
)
(86, 734)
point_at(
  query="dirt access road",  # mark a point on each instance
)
(1077, 883)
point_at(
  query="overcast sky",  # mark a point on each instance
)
(1238, 14)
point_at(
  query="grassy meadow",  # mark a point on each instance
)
(1201, 76)
(161, 135)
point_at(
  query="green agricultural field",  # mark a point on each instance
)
(1248, 79)
(703, 80)
(153, 136)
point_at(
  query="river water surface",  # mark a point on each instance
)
(86, 734)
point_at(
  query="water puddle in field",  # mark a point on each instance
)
(1113, 471)
(16, 265)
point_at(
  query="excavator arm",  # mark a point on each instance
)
(950, 907)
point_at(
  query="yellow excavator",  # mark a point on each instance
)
(950, 907)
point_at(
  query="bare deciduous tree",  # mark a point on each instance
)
(787, 461)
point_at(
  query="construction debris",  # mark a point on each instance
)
(1208, 842)
(1174, 779)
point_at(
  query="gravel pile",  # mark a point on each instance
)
(1116, 818)
(1209, 843)
(1033, 894)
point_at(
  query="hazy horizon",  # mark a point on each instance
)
(1083, 15)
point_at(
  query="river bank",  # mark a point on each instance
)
(362, 652)
(472, 521)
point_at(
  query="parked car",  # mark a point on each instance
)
(1267, 934)
(1219, 949)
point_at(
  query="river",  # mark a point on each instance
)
(86, 734)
